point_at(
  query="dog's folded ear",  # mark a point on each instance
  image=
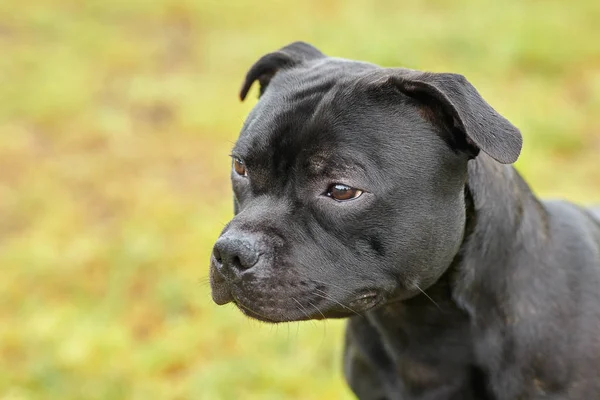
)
(451, 98)
(268, 65)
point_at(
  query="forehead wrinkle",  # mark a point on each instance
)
(325, 84)
(254, 128)
(332, 109)
(342, 152)
(331, 164)
(298, 112)
(273, 144)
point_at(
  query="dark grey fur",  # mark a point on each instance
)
(457, 281)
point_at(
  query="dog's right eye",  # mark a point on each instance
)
(342, 192)
(239, 167)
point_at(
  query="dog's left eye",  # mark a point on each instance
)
(341, 192)
(239, 167)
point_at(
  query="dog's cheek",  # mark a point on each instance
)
(377, 245)
(236, 206)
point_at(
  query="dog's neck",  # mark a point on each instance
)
(500, 209)
(503, 212)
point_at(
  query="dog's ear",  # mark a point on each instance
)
(268, 65)
(474, 124)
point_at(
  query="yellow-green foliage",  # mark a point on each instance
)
(116, 120)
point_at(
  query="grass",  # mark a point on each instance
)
(116, 119)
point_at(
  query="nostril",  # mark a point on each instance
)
(233, 255)
(237, 263)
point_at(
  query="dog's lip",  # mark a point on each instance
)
(220, 289)
(252, 313)
(221, 294)
(366, 301)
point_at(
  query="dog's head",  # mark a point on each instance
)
(349, 184)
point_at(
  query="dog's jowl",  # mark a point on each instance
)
(386, 196)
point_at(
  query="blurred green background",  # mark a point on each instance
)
(116, 120)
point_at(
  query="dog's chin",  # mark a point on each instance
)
(295, 311)
(270, 317)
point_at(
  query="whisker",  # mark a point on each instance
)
(301, 307)
(252, 311)
(303, 310)
(324, 321)
(204, 282)
(324, 295)
(426, 295)
(325, 283)
(319, 311)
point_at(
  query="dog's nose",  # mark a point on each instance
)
(234, 255)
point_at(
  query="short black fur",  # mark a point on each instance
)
(457, 282)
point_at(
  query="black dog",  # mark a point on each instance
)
(382, 195)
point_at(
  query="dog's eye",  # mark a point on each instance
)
(239, 167)
(341, 192)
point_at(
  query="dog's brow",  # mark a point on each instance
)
(242, 150)
(317, 164)
(333, 165)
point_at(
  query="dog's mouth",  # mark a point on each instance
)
(366, 301)
(288, 307)
(255, 314)
(355, 307)
(286, 299)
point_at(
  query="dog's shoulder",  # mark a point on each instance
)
(569, 215)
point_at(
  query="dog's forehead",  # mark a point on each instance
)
(291, 141)
(301, 107)
(295, 141)
(331, 121)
